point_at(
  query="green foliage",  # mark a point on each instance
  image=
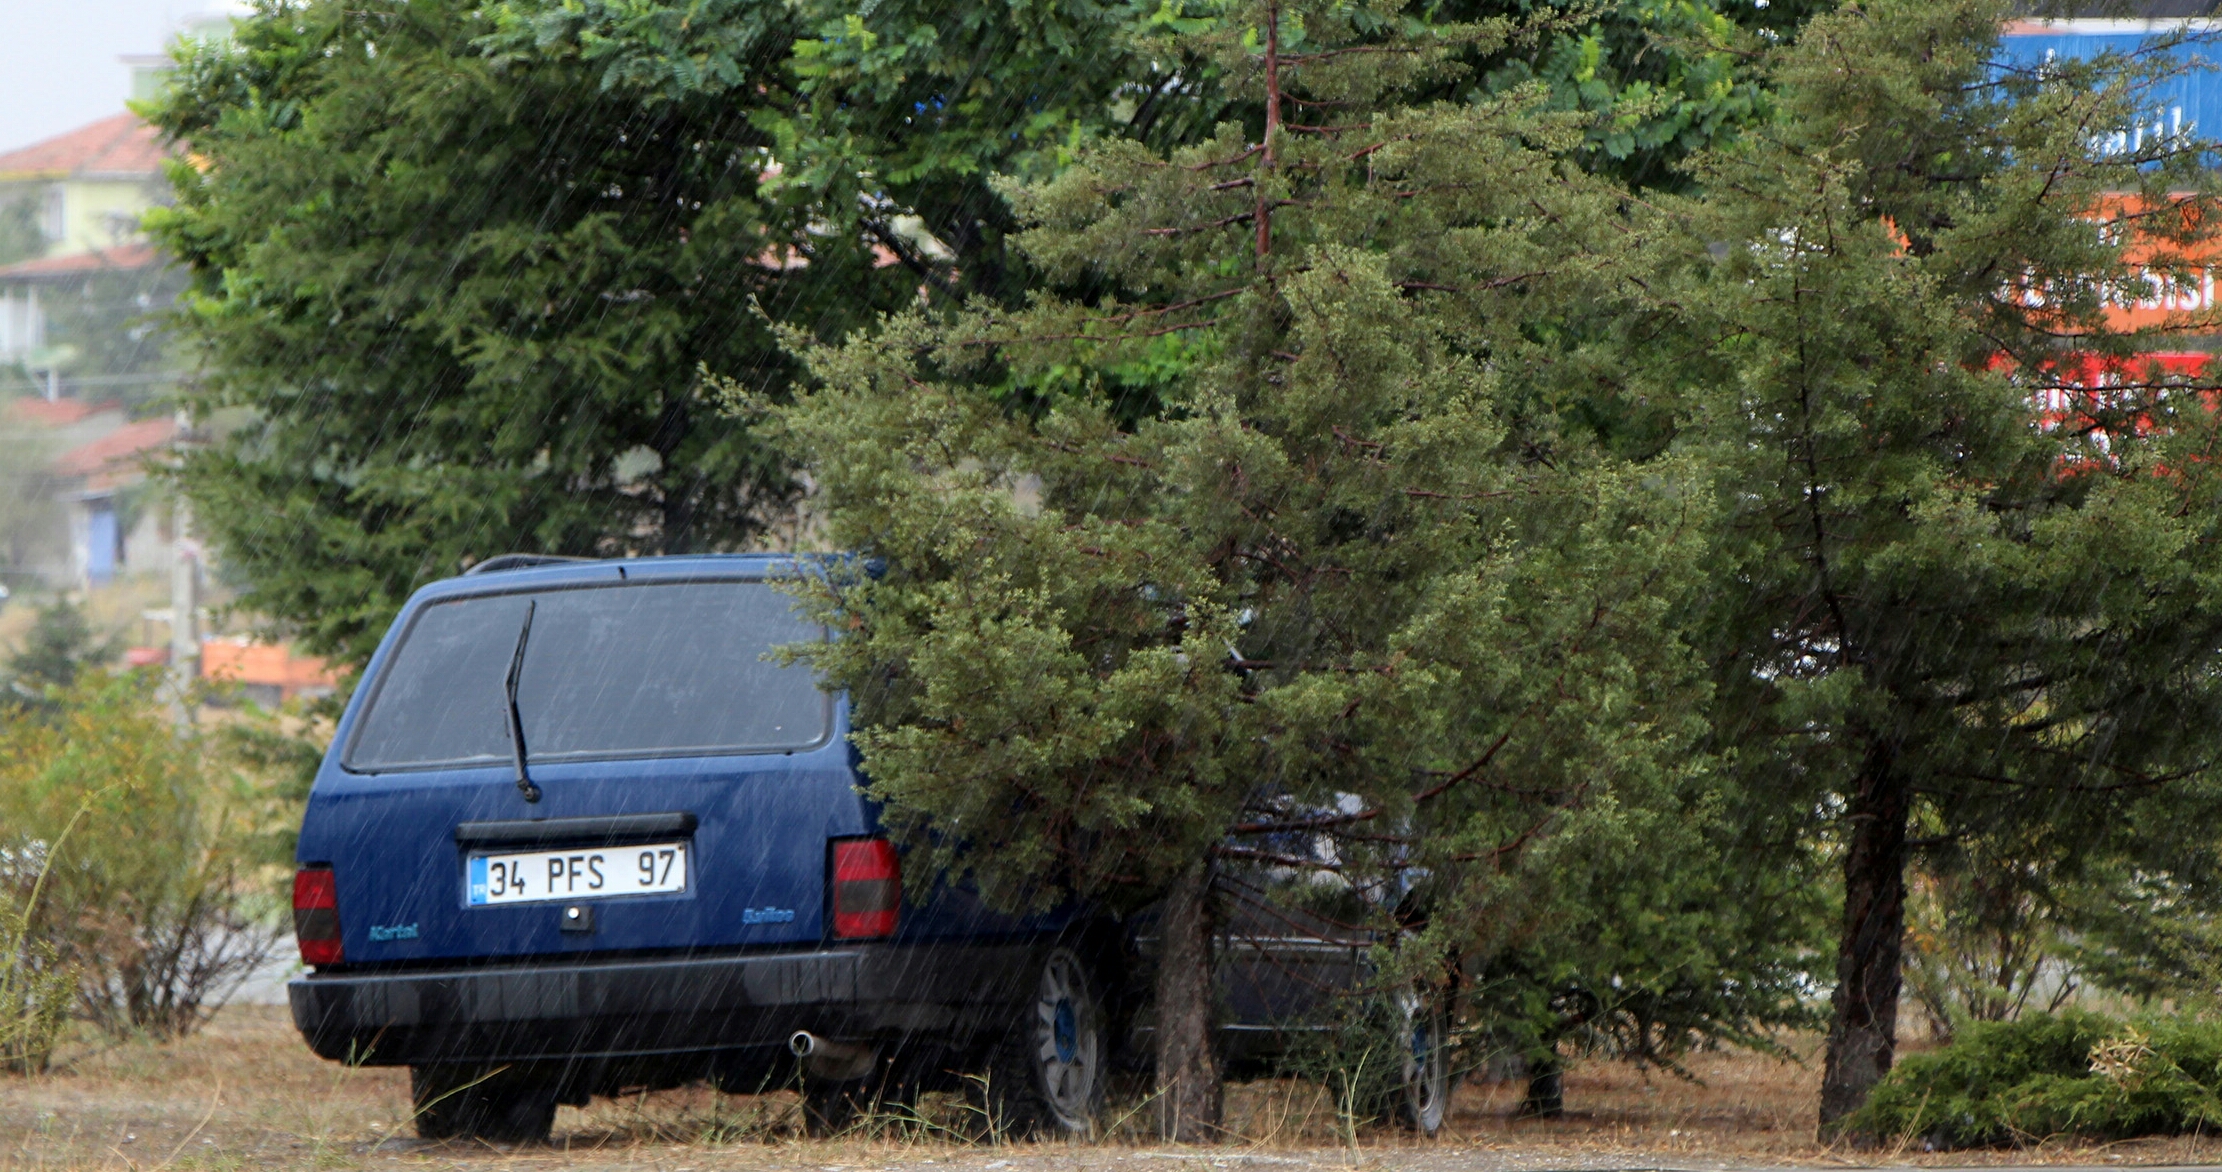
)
(900, 111)
(60, 646)
(1687, 930)
(461, 305)
(112, 319)
(158, 851)
(1992, 921)
(1662, 79)
(512, 232)
(1356, 1050)
(1291, 586)
(2050, 1075)
(914, 103)
(36, 991)
(1342, 600)
(20, 237)
(1948, 612)
(36, 988)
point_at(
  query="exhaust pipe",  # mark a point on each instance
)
(832, 1061)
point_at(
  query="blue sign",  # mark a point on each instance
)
(2188, 103)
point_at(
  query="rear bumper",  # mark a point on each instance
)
(639, 1008)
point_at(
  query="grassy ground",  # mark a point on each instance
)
(247, 1094)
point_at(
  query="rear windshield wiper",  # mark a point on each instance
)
(516, 723)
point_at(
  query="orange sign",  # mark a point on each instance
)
(2169, 285)
(266, 665)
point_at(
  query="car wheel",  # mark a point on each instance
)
(465, 1102)
(1428, 1085)
(1047, 1074)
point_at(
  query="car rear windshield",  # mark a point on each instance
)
(637, 670)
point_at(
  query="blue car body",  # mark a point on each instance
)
(712, 980)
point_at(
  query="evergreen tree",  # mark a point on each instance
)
(460, 305)
(1335, 599)
(458, 263)
(60, 646)
(1961, 587)
(461, 263)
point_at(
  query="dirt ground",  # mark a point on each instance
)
(246, 1094)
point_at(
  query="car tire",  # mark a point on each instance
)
(1424, 1101)
(1046, 1075)
(467, 1102)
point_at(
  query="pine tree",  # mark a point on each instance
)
(1264, 558)
(447, 307)
(61, 645)
(1962, 593)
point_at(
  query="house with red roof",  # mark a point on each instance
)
(92, 182)
(95, 478)
(92, 461)
(87, 189)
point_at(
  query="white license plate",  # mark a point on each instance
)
(655, 868)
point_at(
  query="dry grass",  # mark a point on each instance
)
(246, 1094)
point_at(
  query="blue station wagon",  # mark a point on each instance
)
(578, 834)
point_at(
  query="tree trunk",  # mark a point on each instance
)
(1189, 1090)
(1863, 1031)
(679, 488)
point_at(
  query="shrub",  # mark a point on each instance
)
(164, 896)
(35, 987)
(1355, 1049)
(2069, 1073)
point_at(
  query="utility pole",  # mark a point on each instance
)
(185, 603)
(185, 592)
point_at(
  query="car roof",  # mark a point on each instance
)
(609, 571)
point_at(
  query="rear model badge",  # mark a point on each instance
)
(767, 915)
(395, 932)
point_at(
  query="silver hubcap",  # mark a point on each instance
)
(1426, 1066)
(1066, 1041)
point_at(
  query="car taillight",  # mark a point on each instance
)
(316, 916)
(867, 888)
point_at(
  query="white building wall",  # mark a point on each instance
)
(22, 322)
(146, 548)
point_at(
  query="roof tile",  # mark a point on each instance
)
(115, 453)
(76, 264)
(44, 413)
(119, 145)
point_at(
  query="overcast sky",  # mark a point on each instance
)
(58, 67)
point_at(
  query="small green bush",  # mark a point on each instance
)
(36, 990)
(1355, 1048)
(143, 858)
(2069, 1073)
